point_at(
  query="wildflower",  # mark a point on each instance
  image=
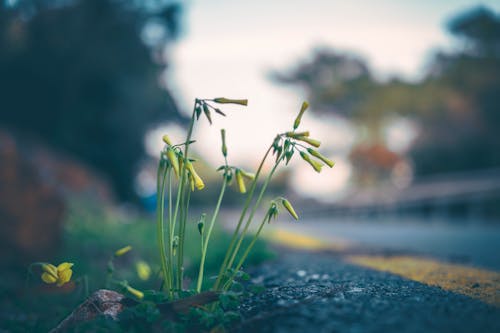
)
(316, 165)
(195, 179)
(143, 270)
(303, 108)
(166, 139)
(312, 142)
(297, 134)
(137, 293)
(122, 251)
(317, 154)
(240, 182)
(247, 175)
(222, 100)
(59, 275)
(174, 161)
(289, 208)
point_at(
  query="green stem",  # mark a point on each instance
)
(240, 221)
(247, 251)
(207, 237)
(160, 202)
(252, 213)
(180, 197)
(182, 235)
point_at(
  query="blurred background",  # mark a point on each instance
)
(404, 97)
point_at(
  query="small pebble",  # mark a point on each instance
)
(301, 273)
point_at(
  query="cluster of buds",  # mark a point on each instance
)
(177, 162)
(203, 106)
(285, 145)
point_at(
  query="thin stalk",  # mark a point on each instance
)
(252, 213)
(181, 193)
(247, 251)
(207, 237)
(160, 201)
(240, 221)
(182, 235)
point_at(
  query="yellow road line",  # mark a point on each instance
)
(476, 283)
(301, 241)
(473, 282)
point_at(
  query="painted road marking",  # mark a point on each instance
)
(473, 282)
(301, 241)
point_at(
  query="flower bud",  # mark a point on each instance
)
(240, 182)
(166, 139)
(247, 175)
(316, 165)
(289, 208)
(318, 155)
(206, 111)
(174, 161)
(303, 108)
(122, 251)
(143, 270)
(195, 179)
(224, 147)
(201, 223)
(312, 142)
(137, 293)
(222, 100)
(272, 212)
(297, 134)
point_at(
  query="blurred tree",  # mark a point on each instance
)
(462, 132)
(80, 76)
(456, 104)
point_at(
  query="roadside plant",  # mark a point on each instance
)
(177, 179)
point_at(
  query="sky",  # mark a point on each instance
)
(228, 48)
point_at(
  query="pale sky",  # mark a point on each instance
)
(228, 48)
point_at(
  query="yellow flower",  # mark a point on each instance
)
(303, 108)
(317, 154)
(172, 157)
(222, 100)
(297, 134)
(195, 179)
(248, 175)
(240, 182)
(316, 165)
(166, 139)
(59, 275)
(143, 270)
(122, 251)
(137, 293)
(289, 208)
(310, 141)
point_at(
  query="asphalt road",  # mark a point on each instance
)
(321, 292)
(475, 244)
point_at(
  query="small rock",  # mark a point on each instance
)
(301, 273)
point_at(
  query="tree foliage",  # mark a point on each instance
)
(455, 104)
(76, 75)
